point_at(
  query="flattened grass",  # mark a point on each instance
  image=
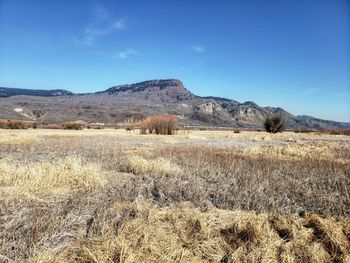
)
(114, 196)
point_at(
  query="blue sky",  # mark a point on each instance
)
(292, 54)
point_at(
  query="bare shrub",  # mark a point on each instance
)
(274, 124)
(130, 124)
(303, 130)
(73, 125)
(144, 126)
(236, 131)
(15, 124)
(160, 124)
(339, 131)
(3, 125)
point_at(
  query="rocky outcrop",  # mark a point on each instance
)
(168, 90)
(208, 108)
(140, 100)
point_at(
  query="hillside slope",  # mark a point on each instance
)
(140, 100)
(8, 92)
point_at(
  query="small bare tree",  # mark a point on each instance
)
(160, 124)
(274, 124)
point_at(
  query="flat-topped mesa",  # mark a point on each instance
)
(141, 100)
(166, 90)
(141, 86)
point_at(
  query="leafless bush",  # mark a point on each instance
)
(72, 125)
(3, 124)
(96, 125)
(274, 124)
(160, 124)
(303, 131)
(130, 124)
(339, 131)
(144, 125)
(15, 124)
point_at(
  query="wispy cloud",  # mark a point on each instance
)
(103, 24)
(126, 53)
(120, 24)
(93, 32)
(198, 49)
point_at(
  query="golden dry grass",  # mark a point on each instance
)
(66, 174)
(203, 196)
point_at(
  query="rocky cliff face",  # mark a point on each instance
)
(143, 99)
(167, 91)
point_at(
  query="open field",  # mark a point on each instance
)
(201, 196)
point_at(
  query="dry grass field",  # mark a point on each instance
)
(200, 196)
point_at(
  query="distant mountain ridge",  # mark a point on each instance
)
(140, 100)
(8, 92)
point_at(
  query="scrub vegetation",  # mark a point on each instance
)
(198, 196)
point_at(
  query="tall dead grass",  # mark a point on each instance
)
(66, 174)
(108, 196)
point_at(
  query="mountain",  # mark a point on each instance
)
(140, 100)
(8, 92)
(166, 91)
